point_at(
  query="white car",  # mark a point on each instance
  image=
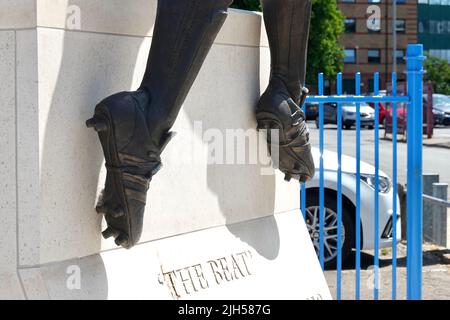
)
(367, 208)
(330, 115)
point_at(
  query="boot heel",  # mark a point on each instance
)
(265, 124)
(97, 124)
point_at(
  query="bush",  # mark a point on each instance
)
(438, 72)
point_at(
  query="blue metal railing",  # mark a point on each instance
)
(414, 175)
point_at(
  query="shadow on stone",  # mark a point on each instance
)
(242, 191)
(85, 279)
(91, 68)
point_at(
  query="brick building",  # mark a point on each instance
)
(434, 27)
(368, 50)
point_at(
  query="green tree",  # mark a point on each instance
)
(325, 54)
(438, 72)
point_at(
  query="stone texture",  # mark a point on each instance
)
(28, 160)
(8, 205)
(208, 264)
(9, 282)
(17, 14)
(136, 18)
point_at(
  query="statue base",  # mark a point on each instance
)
(226, 229)
(268, 258)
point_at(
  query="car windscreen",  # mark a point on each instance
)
(443, 107)
(439, 99)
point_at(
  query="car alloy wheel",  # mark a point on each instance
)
(330, 231)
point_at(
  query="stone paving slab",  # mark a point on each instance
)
(436, 275)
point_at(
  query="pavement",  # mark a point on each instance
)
(440, 139)
(436, 275)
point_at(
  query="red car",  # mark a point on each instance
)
(401, 115)
(385, 112)
(382, 111)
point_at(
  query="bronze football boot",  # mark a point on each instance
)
(134, 127)
(287, 23)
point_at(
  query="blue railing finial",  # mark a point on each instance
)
(415, 57)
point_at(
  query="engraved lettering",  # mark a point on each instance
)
(215, 269)
(226, 272)
(243, 256)
(236, 268)
(201, 277)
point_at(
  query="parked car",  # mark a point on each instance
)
(381, 108)
(441, 109)
(402, 113)
(311, 110)
(441, 114)
(348, 115)
(349, 183)
(382, 112)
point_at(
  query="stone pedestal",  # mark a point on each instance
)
(213, 230)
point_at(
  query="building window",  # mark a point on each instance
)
(374, 1)
(400, 56)
(348, 86)
(350, 25)
(350, 56)
(371, 86)
(348, 1)
(373, 56)
(400, 26)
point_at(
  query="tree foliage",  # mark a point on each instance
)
(325, 54)
(438, 72)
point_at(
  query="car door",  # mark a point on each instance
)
(330, 113)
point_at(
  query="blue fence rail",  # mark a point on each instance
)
(413, 99)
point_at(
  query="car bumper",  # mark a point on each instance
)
(442, 119)
(385, 218)
(364, 122)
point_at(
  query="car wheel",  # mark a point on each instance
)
(370, 127)
(330, 227)
(347, 126)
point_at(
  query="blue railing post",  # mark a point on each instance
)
(414, 58)
(321, 177)
(358, 189)
(339, 185)
(394, 186)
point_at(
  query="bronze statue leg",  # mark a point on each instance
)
(287, 24)
(133, 127)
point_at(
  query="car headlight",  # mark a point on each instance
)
(384, 183)
(438, 112)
